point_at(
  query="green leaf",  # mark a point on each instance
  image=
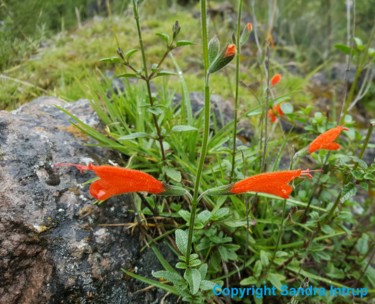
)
(343, 48)
(348, 192)
(162, 260)
(207, 285)
(111, 59)
(334, 272)
(275, 279)
(370, 274)
(213, 49)
(193, 277)
(127, 75)
(257, 269)
(359, 44)
(204, 216)
(369, 176)
(249, 281)
(220, 214)
(203, 270)
(185, 215)
(164, 37)
(287, 108)
(183, 128)
(254, 112)
(130, 53)
(362, 244)
(155, 110)
(163, 286)
(173, 174)
(358, 174)
(181, 265)
(165, 73)
(182, 241)
(183, 43)
(195, 263)
(172, 277)
(328, 229)
(133, 136)
(264, 258)
(364, 186)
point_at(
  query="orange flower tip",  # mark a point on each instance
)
(81, 168)
(271, 115)
(230, 50)
(325, 140)
(275, 79)
(249, 26)
(278, 110)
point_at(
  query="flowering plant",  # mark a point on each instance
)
(237, 213)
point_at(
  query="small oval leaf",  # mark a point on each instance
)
(183, 128)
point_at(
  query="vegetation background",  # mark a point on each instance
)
(52, 47)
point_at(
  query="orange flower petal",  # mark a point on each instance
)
(275, 79)
(325, 140)
(271, 115)
(114, 181)
(275, 112)
(249, 26)
(275, 183)
(277, 109)
(230, 50)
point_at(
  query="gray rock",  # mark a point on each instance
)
(222, 112)
(52, 247)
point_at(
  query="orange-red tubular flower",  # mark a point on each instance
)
(325, 140)
(275, 112)
(230, 50)
(275, 183)
(249, 26)
(275, 79)
(114, 181)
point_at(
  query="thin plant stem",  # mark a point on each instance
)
(350, 4)
(278, 238)
(206, 128)
(315, 187)
(260, 52)
(234, 149)
(147, 79)
(367, 139)
(266, 105)
(366, 267)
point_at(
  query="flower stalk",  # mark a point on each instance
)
(206, 128)
(236, 96)
(148, 79)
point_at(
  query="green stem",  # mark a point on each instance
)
(278, 239)
(206, 128)
(350, 97)
(169, 49)
(237, 87)
(367, 139)
(147, 79)
(266, 105)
